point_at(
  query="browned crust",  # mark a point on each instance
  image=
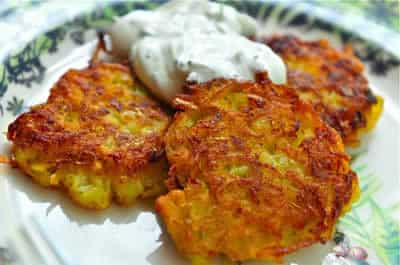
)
(307, 197)
(89, 95)
(315, 66)
(4, 159)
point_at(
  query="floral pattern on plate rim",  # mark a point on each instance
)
(379, 232)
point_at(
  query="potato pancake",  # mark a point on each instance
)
(99, 136)
(333, 82)
(254, 173)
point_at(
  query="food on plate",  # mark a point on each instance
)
(193, 40)
(254, 170)
(99, 136)
(333, 82)
(254, 173)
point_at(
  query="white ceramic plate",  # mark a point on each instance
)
(40, 226)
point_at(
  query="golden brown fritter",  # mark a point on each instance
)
(333, 82)
(98, 136)
(254, 173)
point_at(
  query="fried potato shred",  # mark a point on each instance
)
(99, 136)
(254, 173)
(333, 82)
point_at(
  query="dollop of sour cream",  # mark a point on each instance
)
(192, 40)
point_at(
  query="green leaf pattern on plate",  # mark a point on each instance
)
(368, 224)
(384, 12)
(379, 230)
